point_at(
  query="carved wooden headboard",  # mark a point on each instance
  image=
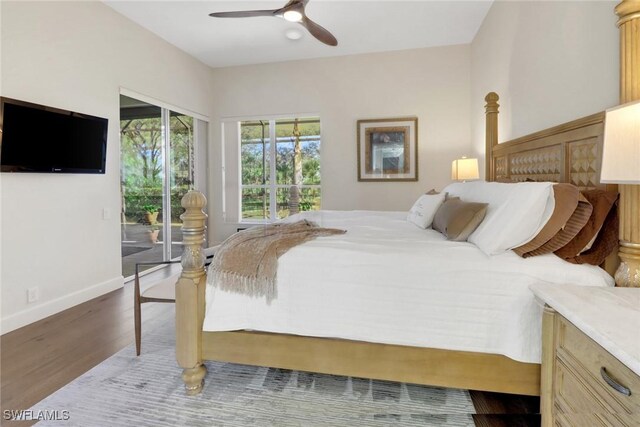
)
(570, 152)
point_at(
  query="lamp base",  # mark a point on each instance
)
(628, 273)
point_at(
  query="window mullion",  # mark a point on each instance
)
(272, 175)
(166, 187)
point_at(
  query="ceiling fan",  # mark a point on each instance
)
(293, 11)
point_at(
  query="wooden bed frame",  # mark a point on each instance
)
(567, 153)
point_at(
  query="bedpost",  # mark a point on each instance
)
(628, 273)
(190, 293)
(491, 137)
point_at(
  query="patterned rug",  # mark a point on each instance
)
(126, 390)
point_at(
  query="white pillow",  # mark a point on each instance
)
(424, 209)
(516, 212)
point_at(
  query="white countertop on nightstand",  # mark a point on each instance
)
(609, 316)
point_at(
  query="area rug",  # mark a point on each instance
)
(126, 390)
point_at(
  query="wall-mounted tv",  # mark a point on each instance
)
(37, 138)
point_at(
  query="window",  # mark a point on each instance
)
(281, 178)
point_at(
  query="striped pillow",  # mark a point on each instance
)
(602, 202)
(566, 202)
(573, 226)
(605, 243)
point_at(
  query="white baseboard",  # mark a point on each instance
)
(33, 314)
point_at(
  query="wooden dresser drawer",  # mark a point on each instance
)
(583, 420)
(572, 395)
(577, 405)
(590, 374)
(586, 359)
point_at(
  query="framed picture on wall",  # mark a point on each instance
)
(388, 149)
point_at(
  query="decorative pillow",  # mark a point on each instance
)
(441, 217)
(602, 202)
(424, 209)
(573, 226)
(516, 212)
(457, 219)
(566, 202)
(605, 243)
(591, 242)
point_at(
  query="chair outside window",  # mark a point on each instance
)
(163, 291)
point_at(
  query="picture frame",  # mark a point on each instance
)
(388, 149)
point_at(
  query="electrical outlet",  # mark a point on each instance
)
(32, 294)
(106, 213)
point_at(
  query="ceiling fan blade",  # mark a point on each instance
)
(319, 32)
(243, 14)
(292, 2)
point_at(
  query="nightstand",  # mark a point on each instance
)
(590, 356)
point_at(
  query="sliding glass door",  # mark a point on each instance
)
(180, 175)
(157, 169)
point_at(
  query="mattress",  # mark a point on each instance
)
(388, 281)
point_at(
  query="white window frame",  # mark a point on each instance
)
(272, 186)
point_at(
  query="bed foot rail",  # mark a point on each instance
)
(190, 289)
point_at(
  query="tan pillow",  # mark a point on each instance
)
(566, 202)
(457, 219)
(602, 202)
(440, 220)
(571, 229)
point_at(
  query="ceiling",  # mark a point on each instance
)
(360, 27)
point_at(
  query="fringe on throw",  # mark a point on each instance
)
(252, 286)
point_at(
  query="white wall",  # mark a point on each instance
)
(76, 56)
(550, 62)
(432, 84)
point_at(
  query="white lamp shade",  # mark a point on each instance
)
(621, 149)
(464, 169)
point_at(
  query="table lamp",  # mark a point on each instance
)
(464, 169)
(621, 165)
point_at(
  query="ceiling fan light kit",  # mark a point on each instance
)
(293, 11)
(292, 16)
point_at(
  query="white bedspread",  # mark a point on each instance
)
(388, 281)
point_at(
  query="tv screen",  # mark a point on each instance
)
(36, 138)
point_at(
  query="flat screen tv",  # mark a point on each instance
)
(37, 138)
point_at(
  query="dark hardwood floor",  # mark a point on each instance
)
(40, 358)
(505, 410)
